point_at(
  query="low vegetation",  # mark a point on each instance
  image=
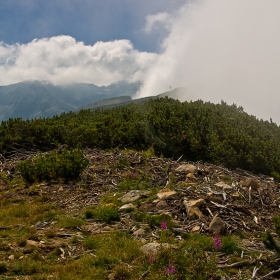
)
(66, 165)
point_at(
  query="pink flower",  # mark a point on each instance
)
(170, 269)
(217, 243)
(163, 225)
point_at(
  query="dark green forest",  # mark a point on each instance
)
(216, 133)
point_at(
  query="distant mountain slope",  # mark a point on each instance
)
(33, 99)
(30, 100)
(108, 103)
(178, 93)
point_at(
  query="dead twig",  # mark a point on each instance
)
(269, 274)
(69, 235)
(255, 270)
(237, 264)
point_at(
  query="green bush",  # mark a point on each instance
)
(229, 244)
(66, 165)
(3, 268)
(269, 240)
(106, 213)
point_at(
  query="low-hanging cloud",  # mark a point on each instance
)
(223, 50)
(62, 59)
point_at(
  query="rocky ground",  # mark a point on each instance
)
(199, 197)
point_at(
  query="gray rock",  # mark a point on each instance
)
(217, 226)
(139, 232)
(127, 208)
(251, 183)
(153, 247)
(186, 168)
(223, 185)
(133, 196)
(161, 205)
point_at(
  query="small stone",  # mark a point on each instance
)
(196, 229)
(186, 183)
(190, 176)
(186, 168)
(34, 243)
(139, 232)
(192, 207)
(107, 228)
(152, 248)
(166, 195)
(126, 221)
(161, 205)
(134, 195)
(217, 226)
(11, 257)
(247, 243)
(251, 183)
(223, 185)
(196, 203)
(127, 208)
(21, 257)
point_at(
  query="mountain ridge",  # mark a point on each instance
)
(33, 99)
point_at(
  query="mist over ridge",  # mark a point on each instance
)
(223, 50)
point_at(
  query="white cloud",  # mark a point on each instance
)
(226, 50)
(153, 22)
(62, 59)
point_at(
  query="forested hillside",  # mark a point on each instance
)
(216, 133)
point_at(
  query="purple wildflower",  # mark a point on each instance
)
(217, 243)
(163, 225)
(170, 269)
(151, 259)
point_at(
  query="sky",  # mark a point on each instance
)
(217, 49)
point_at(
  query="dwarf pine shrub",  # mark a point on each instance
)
(269, 240)
(66, 165)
